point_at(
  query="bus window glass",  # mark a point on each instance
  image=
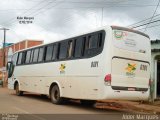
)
(19, 58)
(54, 55)
(40, 57)
(49, 53)
(63, 50)
(70, 47)
(78, 47)
(28, 56)
(24, 57)
(31, 56)
(14, 58)
(93, 41)
(35, 56)
(100, 40)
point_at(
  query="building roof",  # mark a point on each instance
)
(155, 45)
(155, 41)
(155, 50)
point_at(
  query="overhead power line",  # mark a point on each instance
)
(146, 24)
(104, 6)
(150, 27)
(42, 8)
(143, 20)
(152, 16)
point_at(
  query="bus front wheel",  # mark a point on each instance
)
(55, 95)
(18, 92)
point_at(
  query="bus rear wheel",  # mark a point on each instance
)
(55, 95)
(18, 92)
(87, 102)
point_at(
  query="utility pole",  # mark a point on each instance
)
(4, 55)
(4, 42)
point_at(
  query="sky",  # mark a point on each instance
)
(52, 20)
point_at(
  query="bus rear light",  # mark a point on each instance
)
(107, 79)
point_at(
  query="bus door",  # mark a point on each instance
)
(10, 69)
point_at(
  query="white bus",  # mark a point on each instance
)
(107, 63)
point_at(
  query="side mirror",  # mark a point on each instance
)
(8, 65)
(10, 68)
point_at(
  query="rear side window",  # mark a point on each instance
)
(93, 44)
(100, 40)
(93, 41)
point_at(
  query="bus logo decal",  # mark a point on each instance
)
(130, 69)
(62, 68)
(119, 34)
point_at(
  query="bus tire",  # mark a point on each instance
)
(55, 95)
(18, 92)
(88, 102)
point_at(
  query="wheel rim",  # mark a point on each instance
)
(55, 94)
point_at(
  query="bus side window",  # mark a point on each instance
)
(55, 51)
(31, 56)
(23, 57)
(49, 51)
(100, 40)
(63, 50)
(35, 55)
(28, 56)
(70, 48)
(58, 50)
(92, 41)
(19, 58)
(92, 44)
(78, 51)
(41, 53)
(14, 58)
